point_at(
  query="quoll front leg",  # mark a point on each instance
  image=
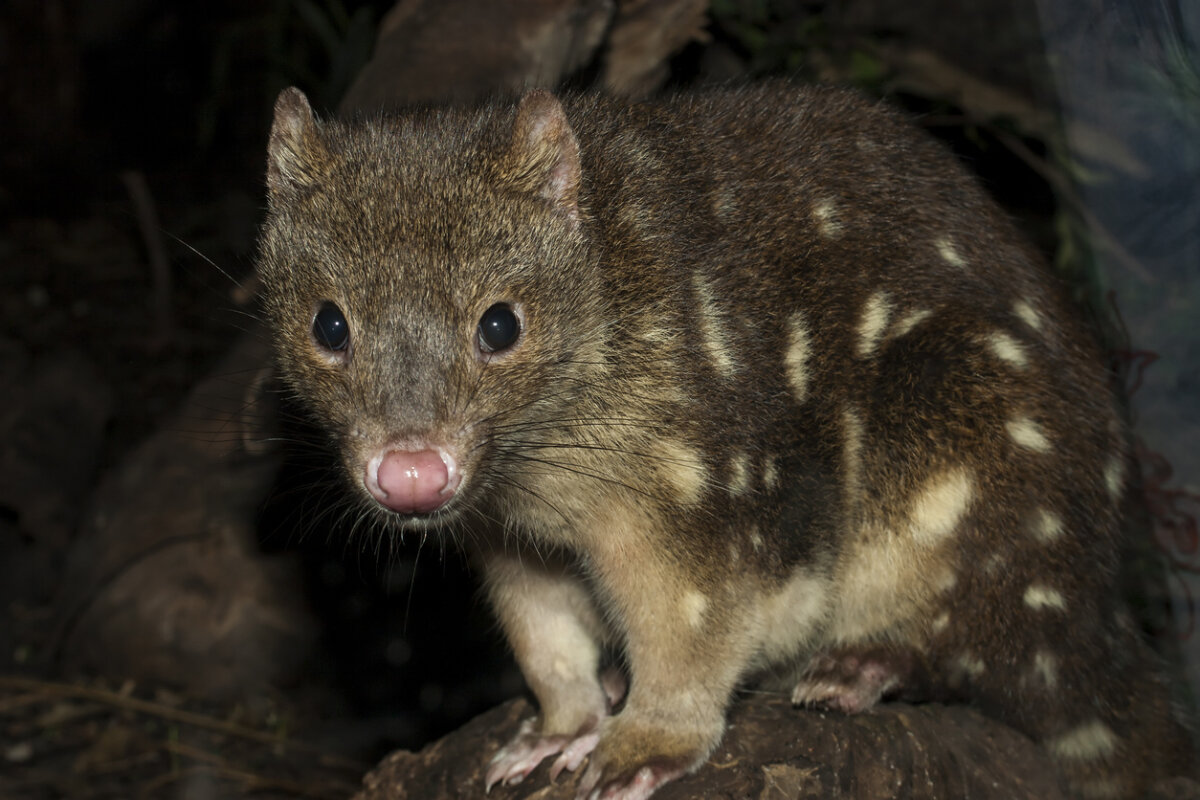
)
(686, 646)
(555, 634)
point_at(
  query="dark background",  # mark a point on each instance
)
(105, 104)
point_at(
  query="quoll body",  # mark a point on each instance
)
(742, 385)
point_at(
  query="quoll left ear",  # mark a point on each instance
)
(295, 156)
(543, 158)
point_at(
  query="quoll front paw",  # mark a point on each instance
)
(638, 786)
(633, 760)
(513, 763)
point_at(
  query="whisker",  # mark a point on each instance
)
(580, 423)
(205, 259)
(537, 496)
(577, 470)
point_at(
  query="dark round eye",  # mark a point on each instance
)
(330, 329)
(498, 328)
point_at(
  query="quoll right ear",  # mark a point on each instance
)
(295, 155)
(543, 158)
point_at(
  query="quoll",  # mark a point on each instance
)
(749, 384)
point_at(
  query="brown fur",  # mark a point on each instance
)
(790, 396)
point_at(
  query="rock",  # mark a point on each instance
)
(167, 583)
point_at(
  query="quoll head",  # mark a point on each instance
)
(429, 280)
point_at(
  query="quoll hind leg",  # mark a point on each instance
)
(1101, 710)
(1119, 738)
(1087, 688)
(855, 678)
(850, 679)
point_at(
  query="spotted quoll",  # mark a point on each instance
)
(738, 385)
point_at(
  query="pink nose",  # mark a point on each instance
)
(413, 482)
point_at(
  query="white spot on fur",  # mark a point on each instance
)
(770, 474)
(796, 358)
(756, 539)
(1028, 314)
(1028, 433)
(1045, 667)
(912, 319)
(1088, 742)
(949, 253)
(940, 622)
(866, 144)
(713, 330)
(658, 335)
(945, 581)
(694, 605)
(724, 203)
(825, 214)
(1114, 477)
(792, 615)
(682, 467)
(1047, 526)
(874, 320)
(739, 474)
(940, 506)
(971, 665)
(1007, 349)
(1041, 597)
(634, 215)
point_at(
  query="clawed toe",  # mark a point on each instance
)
(638, 786)
(513, 762)
(574, 754)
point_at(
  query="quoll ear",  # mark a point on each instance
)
(544, 156)
(295, 155)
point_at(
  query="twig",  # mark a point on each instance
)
(1062, 186)
(171, 714)
(249, 780)
(929, 75)
(160, 265)
(122, 766)
(12, 704)
(187, 751)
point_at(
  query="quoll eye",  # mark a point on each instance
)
(498, 328)
(330, 329)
